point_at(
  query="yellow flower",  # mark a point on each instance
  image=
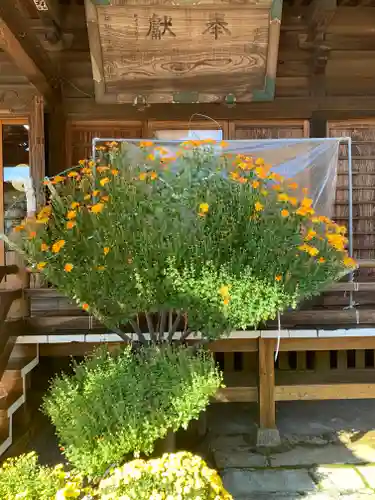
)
(74, 205)
(104, 181)
(72, 214)
(42, 221)
(153, 175)
(349, 262)
(283, 197)
(106, 250)
(284, 213)
(73, 173)
(100, 268)
(310, 235)
(57, 179)
(57, 246)
(258, 207)
(234, 175)
(303, 211)
(259, 161)
(97, 208)
(70, 224)
(203, 207)
(86, 170)
(264, 192)
(278, 277)
(82, 162)
(44, 247)
(255, 184)
(224, 290)
(337, 241)
(224, 144)
(276, 177)
(151, 157)
(142, 176)
(293, 200)
(85, 306)
(68, 267)
(306, 202)
(305, 191)
(96, 192)
(41, 265)
(309, 249)
(91, 163)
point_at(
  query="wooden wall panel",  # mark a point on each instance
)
(279, 129)
(80, 135)
(363, 155)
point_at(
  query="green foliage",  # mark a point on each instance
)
(114, 405)
(219, 237)
(24, 478)
(180, 476)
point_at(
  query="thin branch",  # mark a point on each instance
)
(122, 334)
(150, 327)
(163, 318)
(185, 335)
(173, 329)
(137, 330)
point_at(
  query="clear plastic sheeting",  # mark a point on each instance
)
(310, 163)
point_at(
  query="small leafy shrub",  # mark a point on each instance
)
(218, 236)
(24, 478)
(115, 405)
(180, 476)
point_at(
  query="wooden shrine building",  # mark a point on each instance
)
(71, 70)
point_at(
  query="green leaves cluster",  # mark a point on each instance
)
(180, 476)
(144, 233)
(120, 404)
(23, 478)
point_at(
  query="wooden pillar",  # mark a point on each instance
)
(268, 434)
(57, 144)
(37, 149)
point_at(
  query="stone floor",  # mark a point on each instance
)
(327, 451)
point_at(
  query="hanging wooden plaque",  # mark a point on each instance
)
(164, 51)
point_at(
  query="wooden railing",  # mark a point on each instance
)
(12, 323)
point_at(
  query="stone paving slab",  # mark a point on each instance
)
(239, 459)
(368, 472)
(306, 455)
(247, 482)
(341, 479)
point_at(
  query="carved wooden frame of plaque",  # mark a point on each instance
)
(115, 76)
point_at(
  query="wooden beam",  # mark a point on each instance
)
(17, 39)
(57, 144)
(37, 150)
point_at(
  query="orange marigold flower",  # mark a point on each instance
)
(293, 201)
(70, 224)
(96, 192)
(293, 185)
(234, 175)
(85, 306)
(32, 234)
(114, 171)
(73, 173)
(19, 228)
(57, 246)
(102, 168)
(276, 187)
(151, 157)
(145, 144)
(242, 180)
(58, 179)
(258, 206)
(349, 262)
(261, 172)
(44, 247)
(104, 181)
(321, 260)
(226, 301)
(86, 171)
(82, 162)
(74, 205)
(97, 208)
(283, 197)
(106, 250)
(203, 207)
(41, 265)
(284, 213)
(68, 267)
(278, 277)
(142, 176)
(305, 191)
(105, 198)
(153, 175)
(255, 184)
(72, 214)
(224, 144)
(309, 249)
(306, 202)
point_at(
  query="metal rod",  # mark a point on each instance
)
(350, 224)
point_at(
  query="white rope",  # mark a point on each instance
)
(278, 335)
(202, 116)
